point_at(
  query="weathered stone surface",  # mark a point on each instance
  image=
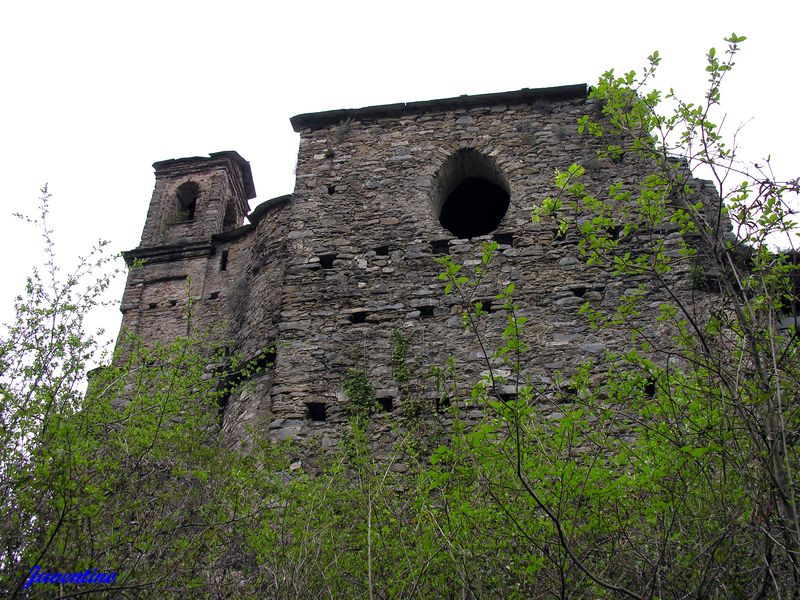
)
(323, 277)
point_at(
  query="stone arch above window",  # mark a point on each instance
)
(187, 195)
(470, 195)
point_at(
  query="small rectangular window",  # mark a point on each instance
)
(440, 246)
(359, 316)
(317, 411)
(504, 239)
(326, 260)
(223, 261)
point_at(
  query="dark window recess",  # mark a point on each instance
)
(331, 190)
(614, 231)
(504, 239)
(712, 284)
(187, 199)
(559, 235)
(153, 305)
(231, 219)
(260, 363)
(650, 387)
(470, 194)
(507, 396)
(568, 393)
(384, 404)
(475, 207)
(223, 261)
(222, 405)
(214, 296)
(358, 317)
(704, 279)
(579, 291)
(382, 251)
(443, 403)
(440, 246)
(173, 303)
(326, 261)
(426, 311)
(317, 411)
(486, 304)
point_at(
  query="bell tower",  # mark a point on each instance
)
(195, 198)
(198, 205)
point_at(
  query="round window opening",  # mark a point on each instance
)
(470, 194)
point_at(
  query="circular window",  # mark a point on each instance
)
(470, 195)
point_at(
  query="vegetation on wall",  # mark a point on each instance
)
(677, 477)
(360, 393)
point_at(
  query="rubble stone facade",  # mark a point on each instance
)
(325, 279)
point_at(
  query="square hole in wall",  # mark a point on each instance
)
(578, 290)
(384, 404)
(426, 311)
(358, 317)
(507, 396)
(568, 393)
(382, 251)
(317, 411)
(487, 305)
(440, 246)
(326, 260)
(442, 403)
(504, 239)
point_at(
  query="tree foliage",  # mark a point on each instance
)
(713, 451)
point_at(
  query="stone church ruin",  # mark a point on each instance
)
(323, 280)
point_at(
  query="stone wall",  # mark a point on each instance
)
(323, 277)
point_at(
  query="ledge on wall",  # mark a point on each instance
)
(167, 253)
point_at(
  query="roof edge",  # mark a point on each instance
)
(166, 167)
(260, 210)
(524, 96)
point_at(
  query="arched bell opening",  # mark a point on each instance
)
(187, 195)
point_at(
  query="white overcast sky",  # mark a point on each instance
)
(92, 93)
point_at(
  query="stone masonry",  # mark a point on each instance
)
(317, 281)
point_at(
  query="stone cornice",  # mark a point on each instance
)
(524, 96)
(173, 252)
